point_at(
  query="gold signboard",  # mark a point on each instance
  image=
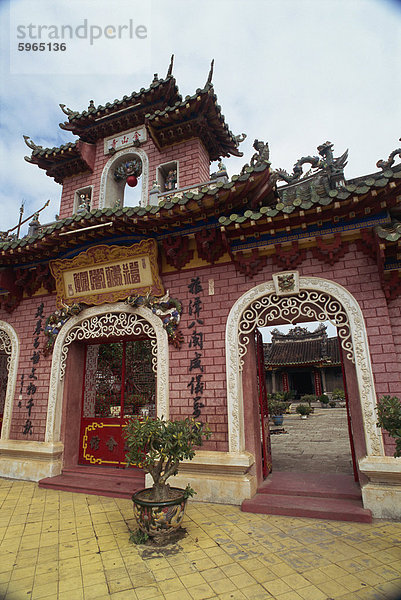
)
(107, 274)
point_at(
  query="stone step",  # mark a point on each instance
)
(333, 509)
(116, 483)
(320, 485)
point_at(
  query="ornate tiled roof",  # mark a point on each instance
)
(168, 117)
(313, 192)
(184, 210)
(119, 115)
(198, 115)
(62, 161)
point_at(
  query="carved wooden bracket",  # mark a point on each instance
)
(392, 286)
(177, 251)
(367, 244)
(249, 265)
(288, 258)
(330, 251)
(211, 244)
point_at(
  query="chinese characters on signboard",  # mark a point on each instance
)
(107, 274)
(196, 384)
(31, 388)
(108, 278)
(134, 137)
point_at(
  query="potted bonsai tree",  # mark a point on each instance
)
(389, 418)
(277, 409)
(309, 398)
(158, 446)
(303, 410)
(324, 400)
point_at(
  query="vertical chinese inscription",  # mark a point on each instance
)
(31, 388)
(196, 340)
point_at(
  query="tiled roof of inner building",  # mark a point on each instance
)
(125, 102)
(311, 192)
(142, 213)
(302, 353)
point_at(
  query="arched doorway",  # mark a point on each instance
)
(110, 324)
(303, 369)
(317, 299)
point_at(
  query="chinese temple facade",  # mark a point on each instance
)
(115, 310)
(303, 362)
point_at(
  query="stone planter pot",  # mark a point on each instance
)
(278, 419)
(159, 518)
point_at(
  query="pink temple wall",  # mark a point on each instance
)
(355, 271)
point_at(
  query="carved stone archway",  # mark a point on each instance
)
(317, 299)
(10, 345)
(108, 320)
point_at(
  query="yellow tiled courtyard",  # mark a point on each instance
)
(76, 547)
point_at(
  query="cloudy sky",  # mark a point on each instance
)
(291, 72)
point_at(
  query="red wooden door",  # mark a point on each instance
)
(263, 407)
(118, 382)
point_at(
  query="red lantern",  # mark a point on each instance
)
(132, 180)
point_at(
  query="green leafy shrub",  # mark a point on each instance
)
(159, 446)
(338, 394)
(389, 418)
(303, 409)
(323, 399)
(309, 398)
(332, 403)
(276, 405)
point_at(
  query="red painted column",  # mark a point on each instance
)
(284, 376)
(318, 383)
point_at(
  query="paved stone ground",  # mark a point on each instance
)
(66, 546)
(318, 444)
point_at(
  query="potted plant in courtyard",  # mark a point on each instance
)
(324, 400)
(303, 410)
(309, 398)
(389, 418)
(277, 409)
(158, 446)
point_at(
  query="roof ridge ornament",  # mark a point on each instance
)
(239, 138)
(210, 76)
(333, 167)
(170, 67)
(386, 164)
(67, 111)
(31, 144)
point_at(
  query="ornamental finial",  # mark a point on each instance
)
(67, 111)
(210, 76)
(170, 68)
(386, 164)
(31, 144)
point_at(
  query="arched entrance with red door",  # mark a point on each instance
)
(309, 298)
(109, 362)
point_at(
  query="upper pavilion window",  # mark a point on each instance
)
(124, 180)
(167, 176)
